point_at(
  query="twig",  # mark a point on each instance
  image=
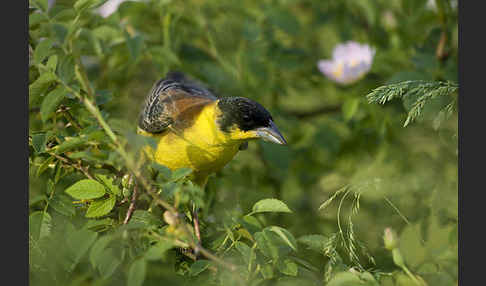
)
(131, 208)
(72, 164)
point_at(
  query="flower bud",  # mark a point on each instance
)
(125, 180)
(390, 239)
(170, 218)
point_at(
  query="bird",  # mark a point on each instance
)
(193, 128)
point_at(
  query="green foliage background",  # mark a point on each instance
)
(350, 171)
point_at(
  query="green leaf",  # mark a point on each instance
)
(287, 267)
(180, 173)
(52, 63)
(286, 236)
(266, 245)
(163, 170)
(69, 144)
(108, 182)
(101, 207)
(39, 225)
(109, 261)
(42, 50)
(79, 241)
(97, 251)
(39, 86)
(270, 205)
(63, 205)
(51, 102)
(41, 4)
(39, 142)
(136, 273)
(65, 69)
(135, 45)
(345, 279)
(86, 190)
(44, 165)
(244, 250)
(36, 18)
(95, 224)
(146, 218)
(158, 250)
(410, 244)
(315, 242)
(199, 266)
(350, 107)
(82, 5)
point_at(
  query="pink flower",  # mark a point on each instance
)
(350, 62)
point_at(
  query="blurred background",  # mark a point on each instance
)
(402, 178)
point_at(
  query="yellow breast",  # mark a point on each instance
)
(201, 146)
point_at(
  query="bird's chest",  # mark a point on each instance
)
(201, 147)
(175, 153)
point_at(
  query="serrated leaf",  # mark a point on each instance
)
(136, 273)
(108, 182)
(286, 236)
(86, 189)
(101, 207)
(78, 243)
(266, 245)
(39, 225)
(270, 205)
(65, 68)
(51, 102)
(63, 205)
(39, 142)
(42, 50)
(199, 266)
(39, 86)
(287, 267)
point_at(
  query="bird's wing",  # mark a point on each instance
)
(173, 102)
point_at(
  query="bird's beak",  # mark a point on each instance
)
(271, 134)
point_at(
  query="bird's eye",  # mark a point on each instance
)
(246, 118)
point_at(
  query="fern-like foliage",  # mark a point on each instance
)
(424, 90)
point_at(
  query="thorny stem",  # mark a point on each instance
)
(131, 208)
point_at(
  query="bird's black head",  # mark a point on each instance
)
(247, 119)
